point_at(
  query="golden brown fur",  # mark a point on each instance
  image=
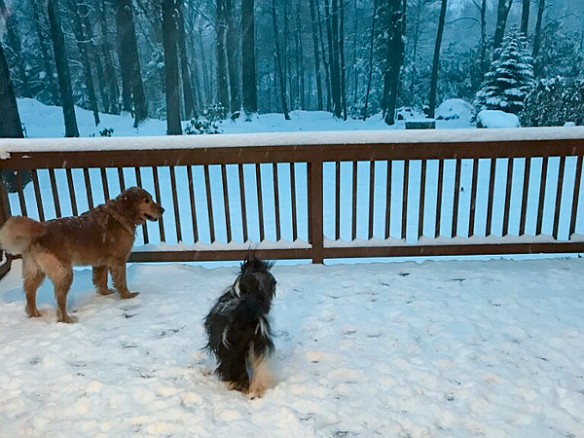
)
(101, 238)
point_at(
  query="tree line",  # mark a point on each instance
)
(175, 59)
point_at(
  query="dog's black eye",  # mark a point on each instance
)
(147, 201)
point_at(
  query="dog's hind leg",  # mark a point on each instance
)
(261, 376)
(100, 280)
(118, 272)
(233, 371)
(33, 277)
(61, 274)
(61, 289)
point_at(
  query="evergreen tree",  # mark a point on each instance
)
(554, 102)
(509, 79)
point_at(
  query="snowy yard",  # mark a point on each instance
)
(438, 349)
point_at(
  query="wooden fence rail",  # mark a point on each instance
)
(319, 196)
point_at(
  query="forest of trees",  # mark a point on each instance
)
(180, 59)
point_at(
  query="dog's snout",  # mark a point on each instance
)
(161, 210)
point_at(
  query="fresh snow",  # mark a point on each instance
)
(497, 119)
(439, 349)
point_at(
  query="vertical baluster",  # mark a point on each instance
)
(20, 189)
(277, 202)
(337, 200)
(260, 201)
(138, 173)
(388, 201)
(559, 197)
(88, 189)
(405, 199)
(526, 177)
(37, 194)
(492, 174)
(508, 197)
(159, 201)
(456, 200)
(422, 200)
(226, 201)
(193, 204)
(473, 196)
(576, 196)
(72, 195)
(542, 188)
(354, 205)
(371, 197)
(243, 202)
(55, 192)
(439, 198)
(209, 204)
(294, 206)
(175, 204)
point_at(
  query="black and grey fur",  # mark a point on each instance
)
(238, 328)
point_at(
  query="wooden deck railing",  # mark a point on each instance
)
(319, 196)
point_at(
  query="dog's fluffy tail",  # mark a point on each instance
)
(18, 232)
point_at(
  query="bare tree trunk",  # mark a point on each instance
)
(503, 8)
(537, 35)
(113, 89)
(332, 20)
(300, 59)
(14, 42)
(371, 45)
(436, 61)
(484, 62)
(248, 60)
(188, 94)
(232, 54)
(525, 16)
(279, 64)
(221, 46)
(316, 56)
(395, 58)
(133, 88)
(83, 42)
(343, 69)
(58, 38)
(327, 68)
(44, 43)
(10, 126)
(355, 72)
(169, 40)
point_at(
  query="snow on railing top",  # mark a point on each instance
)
(287, 139)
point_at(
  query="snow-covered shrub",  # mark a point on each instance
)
(497, 119)
(454, 109)
(201, 125)
(509, 79)
(106, 132)
(554, 102)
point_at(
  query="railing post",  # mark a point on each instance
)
(315, 210)
(4, 215)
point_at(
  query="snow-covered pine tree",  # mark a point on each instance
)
(510, 77)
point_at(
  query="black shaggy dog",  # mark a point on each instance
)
(239, 330)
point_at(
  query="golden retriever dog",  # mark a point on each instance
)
(101, 238)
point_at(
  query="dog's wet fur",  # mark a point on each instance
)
(101, 238)
(239, 332)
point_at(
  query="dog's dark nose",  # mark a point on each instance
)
(161, 210)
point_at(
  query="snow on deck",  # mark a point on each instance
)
(438, 349)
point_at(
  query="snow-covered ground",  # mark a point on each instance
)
(42, 121)
(439, 349)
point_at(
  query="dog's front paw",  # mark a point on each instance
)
(128, 295)
(33, 313)
(67, 319)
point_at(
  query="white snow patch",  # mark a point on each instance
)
(497, 119)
